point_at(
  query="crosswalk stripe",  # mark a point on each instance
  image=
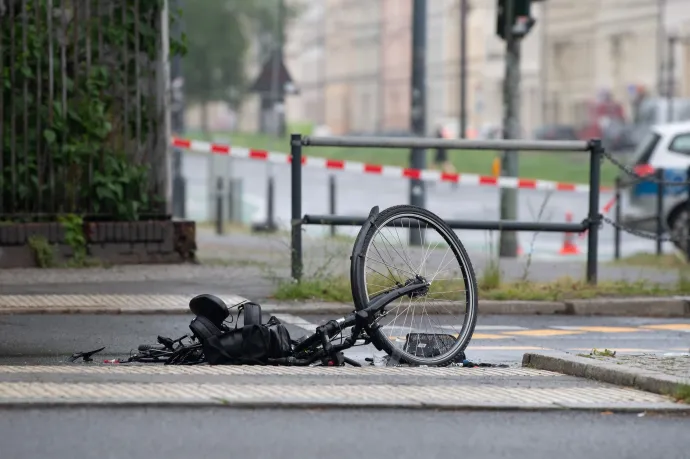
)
(296, 321)
(544, 332)
(506, 331)
(672, 327)
(601, 329)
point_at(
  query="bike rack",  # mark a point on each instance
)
(590, 224)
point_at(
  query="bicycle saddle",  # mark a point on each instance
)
(203, 328)
(210, 307)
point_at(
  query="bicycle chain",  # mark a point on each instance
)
(627, 169)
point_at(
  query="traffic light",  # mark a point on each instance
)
(521, 22)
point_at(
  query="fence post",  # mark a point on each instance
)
(269, 224)
(219, 206)
(270, 205)
(660, 192)
(616, 228)
(179, 191)
(593, 216)
(296, 185)
(687, 220)
(231, 200)
(331, 199)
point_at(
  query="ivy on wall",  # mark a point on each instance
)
(81, 110)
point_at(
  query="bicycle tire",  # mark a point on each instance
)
(252, 314)
(360, 295)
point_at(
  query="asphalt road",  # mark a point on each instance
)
(357, 193)
(170, 433)
(176, 433)
(32, 339)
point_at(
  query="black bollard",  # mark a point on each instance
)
(331, 200)
(219, 207)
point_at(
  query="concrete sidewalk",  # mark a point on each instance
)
(305, 387)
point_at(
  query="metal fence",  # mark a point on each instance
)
(82, 108)
(590, 224)
(672, 198)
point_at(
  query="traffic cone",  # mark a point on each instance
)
(569, 247)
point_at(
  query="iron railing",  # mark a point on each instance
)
(590, 224)
(82, 108)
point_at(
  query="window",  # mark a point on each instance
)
(645, 148)
(681, 144)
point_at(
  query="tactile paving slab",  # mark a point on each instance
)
(154, 369)
(75, 303)
(277, 395)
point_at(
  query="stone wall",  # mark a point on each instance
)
(107, 242)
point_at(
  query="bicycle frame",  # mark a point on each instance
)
(361, 320)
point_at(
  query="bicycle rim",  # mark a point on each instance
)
(390, 260)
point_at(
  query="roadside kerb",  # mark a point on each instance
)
(178, 304)
(639, 306)
(630, 307)
(612, 373)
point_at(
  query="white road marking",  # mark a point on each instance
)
(296, 321)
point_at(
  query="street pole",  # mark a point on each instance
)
(418, 106)
(544, 62)
(164, 82)
(380, 122)
(322, 65)
(463, 69)
(511, 130)
(278, 92)
(177, 119)
(660, 44)
(671, 76)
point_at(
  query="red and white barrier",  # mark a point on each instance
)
(377, 169)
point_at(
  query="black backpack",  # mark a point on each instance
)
(251, 344)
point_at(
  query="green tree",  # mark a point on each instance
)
(218, 35)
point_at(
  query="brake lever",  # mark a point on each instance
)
(85, 355)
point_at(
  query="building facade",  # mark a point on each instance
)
(612, 47)
(578, 51)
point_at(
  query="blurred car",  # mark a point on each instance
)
(618, 136)
(556, 132)
(664, 147)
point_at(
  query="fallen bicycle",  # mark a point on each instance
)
(214, 340)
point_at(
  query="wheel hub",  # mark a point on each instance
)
(423, 286)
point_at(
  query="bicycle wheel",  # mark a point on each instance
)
(453, 289)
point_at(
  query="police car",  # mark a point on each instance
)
(665, 147)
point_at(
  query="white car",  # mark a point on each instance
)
(665, 147)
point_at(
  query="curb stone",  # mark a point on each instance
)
(631, 307)
(583, 367)
(641, 307)
(271, 404)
